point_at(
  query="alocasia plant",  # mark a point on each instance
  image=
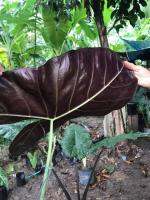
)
(88, 81)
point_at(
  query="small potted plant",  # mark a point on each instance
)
(32, 159)
(35, 163)
(77, 144)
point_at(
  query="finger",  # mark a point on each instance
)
(130, 66)
(1, 70)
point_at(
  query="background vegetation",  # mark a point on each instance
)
(33, 31)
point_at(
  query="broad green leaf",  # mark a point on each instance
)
(54, 31)
(107, 14)
(23, 16)
(90, 30)
(147, 9)
(76, 142)
(78, 15)
(19, 43)
(3, 178)
(9, 131)
(33, 157)
(4, 56)
(112, 141)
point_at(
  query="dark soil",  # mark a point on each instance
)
(130, 179)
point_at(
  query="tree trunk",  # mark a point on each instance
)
(114, 122)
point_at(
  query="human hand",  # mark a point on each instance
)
(141, 73)
(1, 70)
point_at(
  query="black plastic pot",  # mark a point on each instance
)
(20, 179)
(84, 176)
(3, 193)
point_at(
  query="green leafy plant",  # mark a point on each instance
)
(10, 131)
(10, 169)
(110, 142)
(3, 178)
(143, 103)
(33, 158)
(77, 142)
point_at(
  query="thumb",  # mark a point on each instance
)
(1, 70)
(130, 66)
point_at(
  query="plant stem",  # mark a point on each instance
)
(84, 162)
(89, 181)
(48, 166)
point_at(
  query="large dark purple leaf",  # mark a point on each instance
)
(28, 137)
(63, 83)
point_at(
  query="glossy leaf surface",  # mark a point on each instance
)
(63, 83)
